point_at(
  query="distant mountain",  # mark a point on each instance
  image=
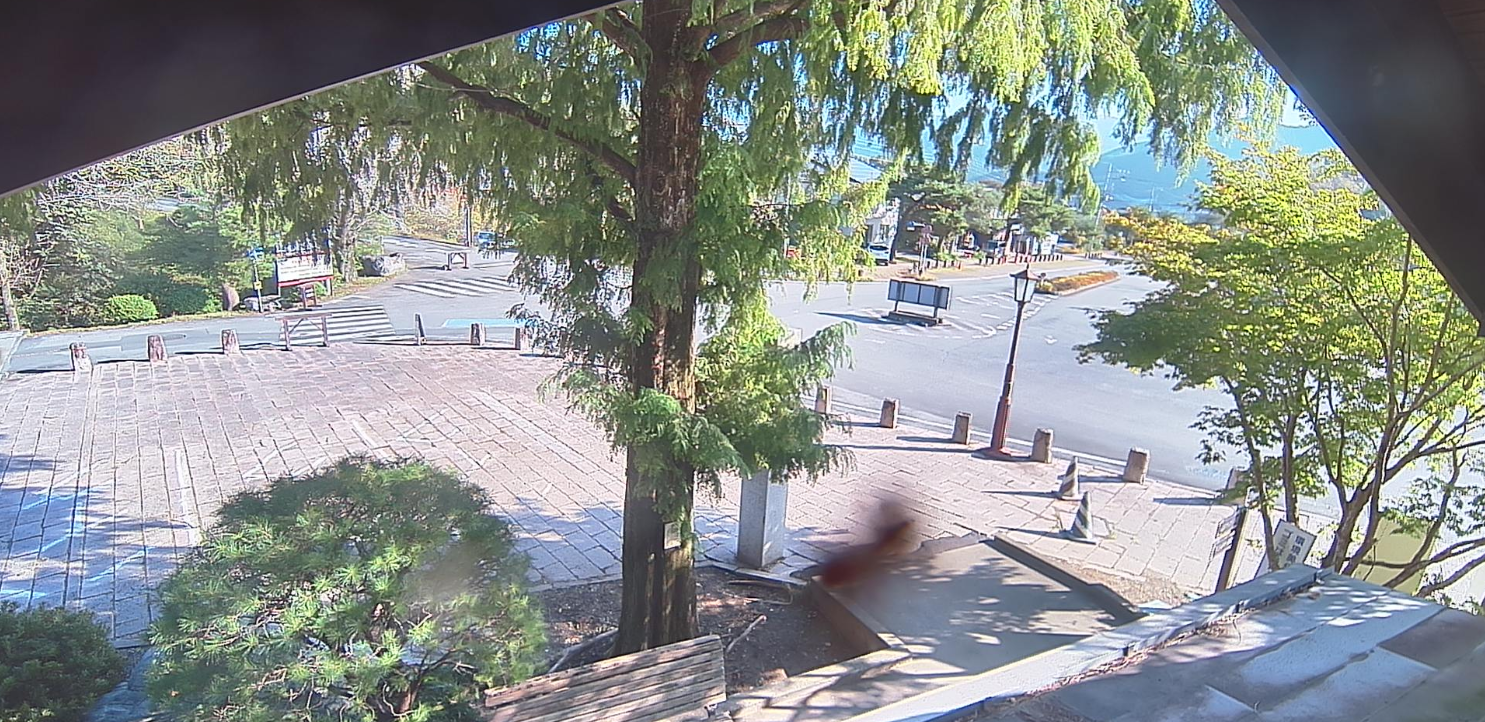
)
(1133, 176)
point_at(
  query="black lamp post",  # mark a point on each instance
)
(1023, 289)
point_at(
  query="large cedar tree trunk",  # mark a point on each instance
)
(659, 597)
(344, 246)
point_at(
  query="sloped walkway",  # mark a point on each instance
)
(105, 480)
(959, 612)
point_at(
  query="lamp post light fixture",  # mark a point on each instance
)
(1023, 289)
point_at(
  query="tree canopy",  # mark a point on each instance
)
(652, 160)
(1354, 372)
(368, 591)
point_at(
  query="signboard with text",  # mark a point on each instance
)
(1291, 546)
(1227, 531)
(922, 294)
(303, 262)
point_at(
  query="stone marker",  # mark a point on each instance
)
(1071, 488)
(1136, 466)
(418, 336)
(760, 530)
(889, 414)
(519, 338)
(1082, 525)
(80, 361)
(155, 348)
(1041, 446)
(230, 344)
(961, 428)
(822, 400)
(476, 334)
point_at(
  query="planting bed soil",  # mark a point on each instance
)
(792, 638)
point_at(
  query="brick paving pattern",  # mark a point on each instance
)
(106, 479)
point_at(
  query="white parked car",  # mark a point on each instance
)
(881, 254)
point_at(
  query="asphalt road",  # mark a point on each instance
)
(1093, 409)
(447, 300)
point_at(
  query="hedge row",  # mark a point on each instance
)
(1063, 284)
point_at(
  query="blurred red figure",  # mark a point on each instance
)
(891, 537)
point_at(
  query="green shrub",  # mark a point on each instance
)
(128, 308)
(366, 591)
(185, 298)
(54, 664)
(1063, 284)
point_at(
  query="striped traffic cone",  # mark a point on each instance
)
(1070, 488)
(1082, 526)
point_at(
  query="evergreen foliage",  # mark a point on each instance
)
(54, 664)
(127, 308)
(367, 591)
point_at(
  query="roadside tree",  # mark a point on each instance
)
(1353, 370)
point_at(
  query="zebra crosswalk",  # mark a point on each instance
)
(344, 324)
(970, 317)
(460, 287)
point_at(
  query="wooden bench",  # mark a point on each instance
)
(680, 681)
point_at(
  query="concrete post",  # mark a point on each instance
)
(476, 334)
(1136, 466)
(889, 414)
(1041, 446)
(822, 400)
(155, 348)
(961, 428)
(761, 531)
(520, 338)
(80, 361)
(230, 344)
(418, 322)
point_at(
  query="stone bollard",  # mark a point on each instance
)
(761, 532)
(822, 400)
(80, 361)
(519, 338)
(889, 414)
(230, 344)
(961, 428)
(1137, 466)
(418, 337)
(155, 348)
(476, 334)
(1041, 446)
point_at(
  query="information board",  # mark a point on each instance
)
(922, 294)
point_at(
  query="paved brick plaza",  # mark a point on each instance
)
(106, 479)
